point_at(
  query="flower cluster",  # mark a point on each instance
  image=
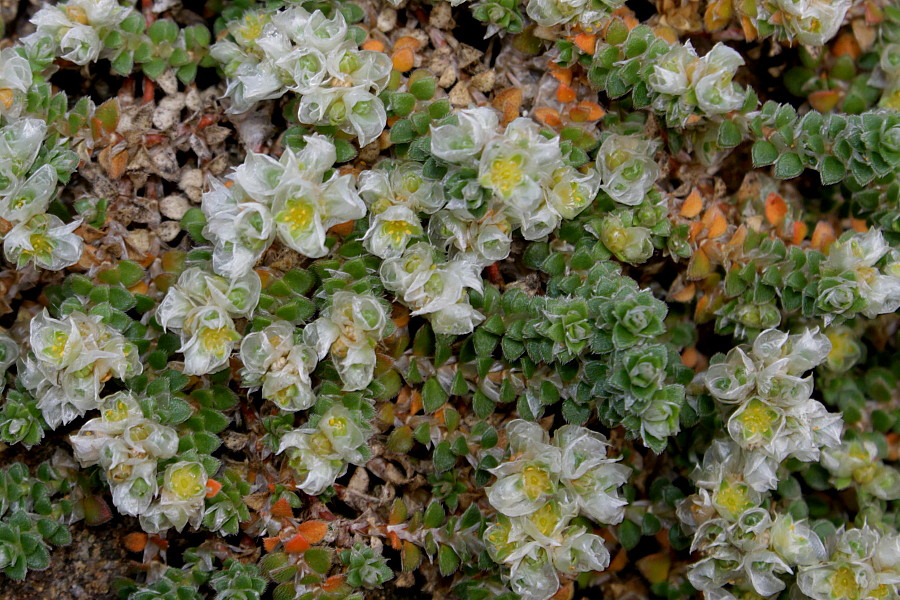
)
(774, 416)
(296, 199)
(860, 563)
(321, 450)
(810, 22)
(349, 329)
(274, 360)
(128, 447)
(539, 490)
(856, 463)
(70, 361)
(435, 287)
(272, 52)
(686, 82)
(26, 188)
(518, 175)
(587, 13)
(201, 307)
(78, 29)
(181, 498)
(744, 543)
(852, 282)
(395, 192)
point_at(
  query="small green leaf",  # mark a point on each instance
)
(788, 166)
(763, 153)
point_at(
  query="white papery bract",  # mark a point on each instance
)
(281, 367)
(556, 12)
(743, 544)
(15, 79)
(811, 22)
(45, 240)
(861, 563)
(856, 463)
(349, 329)
(290, 198)
(201, 308)
(25, 194)
(627, 168)
(291, 49)
(320, 454)
(539, 490)
(78, 27)
(686, 82)
(180, 499)
(70, 360)
(855, 259)
(774, 416)
(434, 287)
(127, 446)
(520, 182)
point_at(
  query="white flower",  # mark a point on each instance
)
(462, 143)
(46, 240)
(627, 168)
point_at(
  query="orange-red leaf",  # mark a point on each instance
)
(136, 541)
(776, 209)
(282, 508)
(213, 487)
(297, 543)
(270, 543)
(692, 206)
(313, 531)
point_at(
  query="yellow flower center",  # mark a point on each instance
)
(757, 419)
(506, 174)
(339, 425)
(844, 585)
(6, 97)
(320, 444)
(56, 349)
(545, 519)
(297, 214)
(733, 498)
(76, 14)
(185, 482)
(535, 482)
(42, 245)
(397, 230)
(214, 340)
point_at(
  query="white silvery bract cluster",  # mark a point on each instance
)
(274, 361)
(539, 490)
(201, 307)
(853, 262)
(435, 287)
(349, 329)
(774, 416)
(181, 498)
(587, 13)
(743, 544)
(25, 195)
(686, 82)
(320, 454)
(70, 360)
(861, 563)
(528, 183)
(811, 22)
(856, 463)
(627, 168)
(127, 446)
(15, 79)
(78, 27)
(396, 192)
(291, 49)
(297, 198)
